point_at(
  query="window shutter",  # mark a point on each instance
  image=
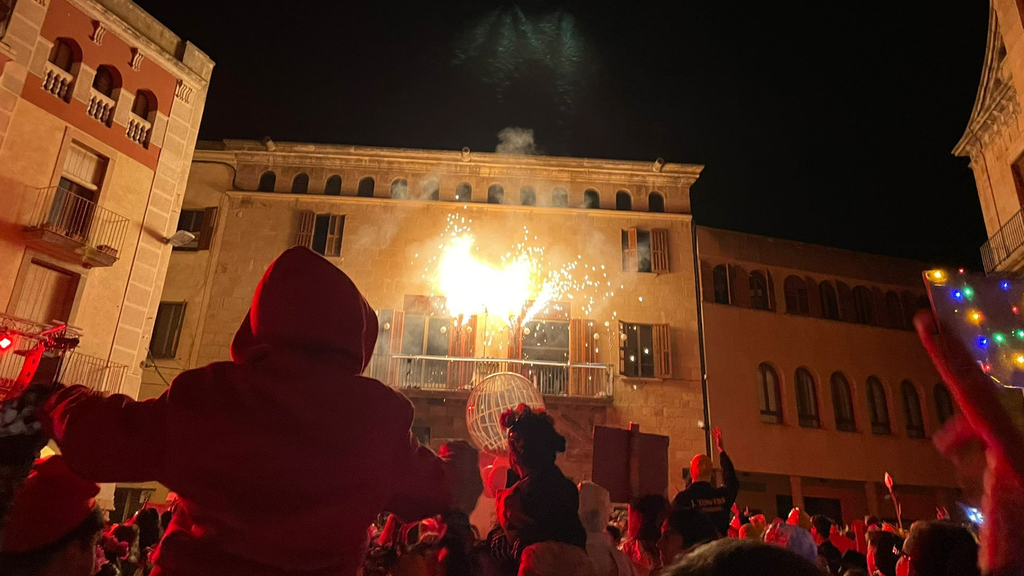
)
(659, 251)
(461, 344)
(629, 257)
(208, 226)
(662, 351)
(771, 290)
(739, 282)
(707, 282)
(622, 347)
(335, 231)
(582, 350)
(307, 221)
(515, 346)
(390, 324)
(395, 345)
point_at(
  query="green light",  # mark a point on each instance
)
(968, 292)
(1019, 333)
(999, 338)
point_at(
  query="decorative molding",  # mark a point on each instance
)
(42, 3)
(183, 91)
(98, 32)
(136, 61)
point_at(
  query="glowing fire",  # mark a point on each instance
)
(471, 285)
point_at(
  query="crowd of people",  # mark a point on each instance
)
(287, 462)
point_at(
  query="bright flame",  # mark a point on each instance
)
(471, 285)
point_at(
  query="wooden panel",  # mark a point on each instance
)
(582, 350)
(208, 226)
(335, 232)
(659, 251)
(662, 351)
(307, 221)
(47, 294)
(629, 255)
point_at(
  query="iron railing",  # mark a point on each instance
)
(448, 373)
(63, 212)
(1004, 242)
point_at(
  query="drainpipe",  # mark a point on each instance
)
(700, 342)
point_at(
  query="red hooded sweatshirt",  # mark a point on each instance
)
(282, 457)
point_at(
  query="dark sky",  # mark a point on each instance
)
(823, 122)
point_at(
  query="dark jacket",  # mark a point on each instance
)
(715, 503)
(543, 507)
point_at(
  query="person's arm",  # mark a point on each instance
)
(423, 489)
(730, 483)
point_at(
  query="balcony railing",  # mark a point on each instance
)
(101, 107)
(138, 130)
(57, 81)
(96, 233)
(448, 373)
(1004, 242)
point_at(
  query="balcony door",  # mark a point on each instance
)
(47, 293)
(74, 201)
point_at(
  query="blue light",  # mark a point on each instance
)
(1005, 285)
(958, 296)
(982, 341)
(974, 515)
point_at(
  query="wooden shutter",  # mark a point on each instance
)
(335, 230)
(707, 282)
(662, 351)
(390, 325)
(771, 290)
(515, 346)
(622, 347)
(582, 350)
(208, 226)
(659, 251)
(629, 255)
(461, 344)
(739, 282)
(307, 221)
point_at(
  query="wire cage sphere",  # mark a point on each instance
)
(490, 398)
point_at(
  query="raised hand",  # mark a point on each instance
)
(717, 435)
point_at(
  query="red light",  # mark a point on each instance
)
(5, 343)
(1015, 310)
(986, 367)
(960, 270)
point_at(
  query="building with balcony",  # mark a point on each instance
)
(100, 105)
(615, 343)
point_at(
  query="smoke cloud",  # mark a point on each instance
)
(516, 141)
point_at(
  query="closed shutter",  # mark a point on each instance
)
(47, 294)
(390, 325)
(662, 351)
(84, 166)
(707, 282)
(208, 226)
(582, 350)
(335, 231)
(307, 221)
(659, 251)
(629, 251)
(167, 330)
(622, 347)
(739, 282)
(461, 344)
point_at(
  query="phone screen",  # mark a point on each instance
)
(984, 313)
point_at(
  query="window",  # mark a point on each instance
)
(894, 310)
(464, 192)
(560, 197)
(645, 250)
(721, 278)
(863, 305)
(527, 196)
(806, 399)
(267, 182)
(829, 301)
(769, 394)
(46, 294)
(200, 223)
(300, 184)
(943, 403)
(6, 9)
(655, 202)
(842, 403)
(64, 54)
(623, 201)
(645, 350)
(74, 202)
(797, 301)
(105, 81)
(546, 340)
(495, 194)
(591, 199)
(321, 233)
(758, 291)
(424, 335)
(400, 189)
(144, 104)
(365, 188)
(912, 410)
(431, 190)
(167, 330)
(333, 186)
(879, 406)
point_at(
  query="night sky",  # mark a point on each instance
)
(827, 122)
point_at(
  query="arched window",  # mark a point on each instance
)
(6, 9)
(806, 399)
(829, 301)
(106, 81)
(863, 305)
(721, 277)
(496, 194)
(879, 406)
(399, 189)
(464, 192)
(591, 199)
(64, 54)
(144, 104)
(431, 190)
(797, 301)
(527, 196)
(365, 188)
(943, 403)
(912, 410)
(842, 403)
(560, 197)
(894, 310)
(758, 291)
(623, 201)
(267, 182)
(655, 202)
(333, 186)
(300, 184)
(769, 394)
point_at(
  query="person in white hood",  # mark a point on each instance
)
(595, 510)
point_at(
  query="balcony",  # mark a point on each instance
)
(138, 130)
(68, 224)
(101, 107)
(57, 81)
(1001, 252)
(442, 373)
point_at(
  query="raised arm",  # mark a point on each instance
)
(730, 483)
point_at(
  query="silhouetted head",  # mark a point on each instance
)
(532, 439)
(937, 548)
(646, 514)
(701, 468)
(883, 552)
(681, 531)
(821, 527)
(731, 557)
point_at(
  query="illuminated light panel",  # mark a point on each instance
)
(5, 343)
(936, 275)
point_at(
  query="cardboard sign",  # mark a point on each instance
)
(629, 463)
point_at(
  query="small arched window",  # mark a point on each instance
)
(399, 189)
(268, 181)
(431, 190)
(806, 399)
(300, 184)
(106, 81)
(144, 104)
(591, 199)
(721, 278)
(333, 186)
(943, 403)
(758, 291)
(879, 406)
(769, 395)
(894, 310)
(365, 188)
(912, 410)
(842, 403)
(527, 196)
(496, 194)
(797, 301)
(863, 305)
(64, 54)
(464, 192)
(560, 197)
(623, 201)
(655, 202)
(829, 301)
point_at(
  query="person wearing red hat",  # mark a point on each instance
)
(53, 525)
